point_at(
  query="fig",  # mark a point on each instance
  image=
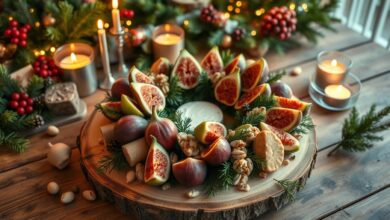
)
(250, 96)
(212, 62)
(282, 89)
(255, 74)
(218, 152)
(148, 96)
(187, 70)
(136, 76)
(268, 147)
(237, 62)
(128, 107)
(160, 66)
(228, 88)
(163, 129)
(120, 86)
(157, 164)
(283, 118)
(290, 143)
(190, 171)
(304, 107)
(129, 128)
(207, 132)
(112, 110)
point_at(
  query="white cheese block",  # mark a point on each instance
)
(200, 111)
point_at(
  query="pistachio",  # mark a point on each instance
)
(53, 188)
(193, 193)
(130, 176)
(52, 130)
(89, 195)
(67, 197)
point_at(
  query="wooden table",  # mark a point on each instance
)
(344, 186)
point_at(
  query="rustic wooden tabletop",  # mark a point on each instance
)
(344, 186)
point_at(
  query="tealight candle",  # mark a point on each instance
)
(74, 61)
(332, 68)
(168, 40)
(337, 95)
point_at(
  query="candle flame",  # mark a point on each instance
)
(167, 27)
(333, 62)
(71, 47)
(100, 24)
(339, 88)
(114, 4)
(73, 57)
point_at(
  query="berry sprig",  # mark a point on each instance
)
(17, 34)
(21, 103)
(211, 15)
(126, 13)
(238, 34)
(44, 67)
(279, 22)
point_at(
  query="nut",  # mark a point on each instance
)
(89, 195)
(263, 175)
(236, 180)
(250, 164)
(193, 193)
(52, 130)
(139, 172)
(53, 188)
(244, 187)
(239, 144)
(238, 154)
(174, 158)
(241, 166)
(285, 162)
(166, 186)
(67, 197)
(188, 144)
(296, 71)
(130, 176)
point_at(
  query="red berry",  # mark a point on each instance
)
(13, 104)
(27, 26)
(29, 109)
(36, 64)
(41, 58)
(7, 32)
(37, 69)
(15, 33)
(14, 40)
(131, 13)
(23, 30)
(23, 36)
(15, 96)
(23, 43)
(22, 103)
(24, 96)
(49, 73)
(54, 71)
(21, 111)
(43, 73)
(44, 66)
(30, 101)
(13, 23)
(51, 63)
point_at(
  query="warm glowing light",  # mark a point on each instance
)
(100, 24)
(36, 53)
(31, 10)
(10, 18)
(238, 3)
(237, 10)
(333, 62)
(167, 27)
(106, 25)
(186, 23)
(292, 6)
(72, 47)
(227, 15)
(114, 4)
(259, 12)
(230, 8)
(42, 52)
(304, 7)
(37, 24)
(128, 23)
(253, 33)
(73, 57)
(52, 49)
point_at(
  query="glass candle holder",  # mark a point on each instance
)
(77, 62)
(168, 41)
(336, 97)
(332, 68)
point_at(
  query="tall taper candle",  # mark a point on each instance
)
(115, 17)
(108, 80)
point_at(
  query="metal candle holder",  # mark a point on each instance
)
(119, 43)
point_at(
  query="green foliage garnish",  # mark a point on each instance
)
(36, 86)
(258, 163)
(253, 119)
(13, 141)
(175, 96)
(115, 161)
(239, 134)
(290, 187)
(183, 124)
(304, 126)
(226, 56)
(359, 132)
(275, 76)
(224, 179)
(263, 101)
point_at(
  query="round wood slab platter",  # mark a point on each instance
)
(147, 202)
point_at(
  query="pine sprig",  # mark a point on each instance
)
(35, 86)
(253, 119)
(304, 126)
(290, 187)
(115, 161)
(13, 141)
(275, 76)
(175, 96)
(263, 101)
(182, 123)
(7, 84)
(226, 56)
(359, 132)
(222, 179)
(239, 134)
(258, 163)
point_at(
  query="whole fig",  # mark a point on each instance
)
(163, 129)
(129, 128)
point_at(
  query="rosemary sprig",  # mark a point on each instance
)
(290, 187)
(253, 119)
(275, 76)
(359, 132)
(182, 123)
(304, 126)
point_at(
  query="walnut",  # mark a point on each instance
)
(162, 81)
(238, 144)
(250, 164)
(216, 77)
(244, 187)
(257, 110)
(241, 182)
(254, 131)
(238, 154)
(188, 144)
(174, 158)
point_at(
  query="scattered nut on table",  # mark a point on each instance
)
(130, 176)
(53, 188)
(89, 195)
(67, 197)
(193, 193)
(52, 130)
(296, 71)
(139, 172)
(166, 186)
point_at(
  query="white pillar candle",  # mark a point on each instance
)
(103, 47)
(117, 28)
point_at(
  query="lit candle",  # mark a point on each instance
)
(74, 61)
(337, 95)
(332, 68)
(168, 41)
(107, 82)
(115, 17)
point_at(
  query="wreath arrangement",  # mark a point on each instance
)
(169, 124)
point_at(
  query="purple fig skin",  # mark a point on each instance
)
(220, 152)
(163, 129)
(129, 128)
(281, 89)
(190, 171)
(121, 86)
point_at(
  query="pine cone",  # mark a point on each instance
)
(48, 82)
(39, 101)
(35, 121)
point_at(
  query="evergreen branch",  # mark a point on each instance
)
(183, 124)
(226, 56)
(222, 179)
(304, 126)
(13, 141)
(258, 163)
(263, 101)
(290, 187)
(239, 134)
(3, 105)
(275, 76)
(175, 96)
(115, 161)
(204, 90)
(35, 86)
(359, 133)
(7, 84)
(253, 119)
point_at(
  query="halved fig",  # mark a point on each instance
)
(160, 66)
(207, 132)
(157, 164)
(283, 118)
(290, 143)
(268, 147)
(147, 96)
(250, 96)
(218, 152)
(128, 107)
(187, 70)
(255, 74)
(237, 62)
(136, 76)
(212, 62)
(304, 107)
(227, 90)
(112, 110)
(190, 171)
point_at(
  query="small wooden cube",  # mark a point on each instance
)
(62, 99)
